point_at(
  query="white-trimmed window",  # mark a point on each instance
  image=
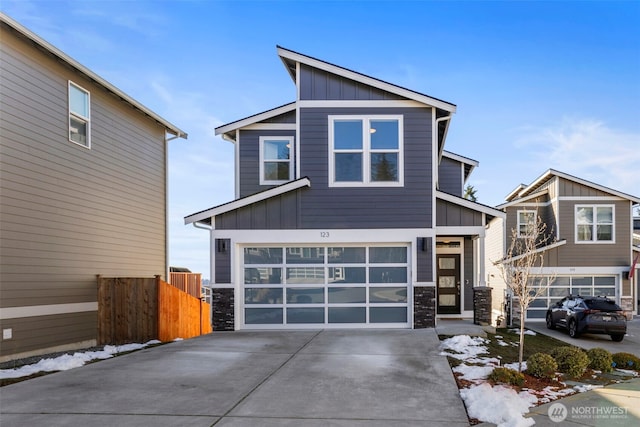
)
(366, 151)
(276, 165)
(526, 223)
(595, 223)
(79, 115)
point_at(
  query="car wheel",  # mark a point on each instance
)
(550, 324)
(617, 337)
(573, 329)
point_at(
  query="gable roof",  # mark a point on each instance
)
(551, 173)
(49, 49)
(469, 164)
(255, 118)
(247, 200)
(479, 207)
(290, 57)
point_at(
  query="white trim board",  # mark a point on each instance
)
(46, 310)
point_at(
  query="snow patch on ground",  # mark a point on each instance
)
(463, 347)
(71, 361)
(499, 405)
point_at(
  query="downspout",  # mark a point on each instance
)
(211, 248)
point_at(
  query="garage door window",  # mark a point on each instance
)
(570, 285)
(325, 285)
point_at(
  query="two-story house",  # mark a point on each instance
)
(348, 210)
(592, 251)
(83, 191)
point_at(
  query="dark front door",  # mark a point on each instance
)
(448, 274)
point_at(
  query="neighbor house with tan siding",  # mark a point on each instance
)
(83, 191)
(592, 226)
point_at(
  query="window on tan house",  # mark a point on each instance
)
(595, 224)
(79, 115)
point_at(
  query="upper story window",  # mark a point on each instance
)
(275, 159)
(526, 223)
(79, 115)
(595, 224)
(366, 151)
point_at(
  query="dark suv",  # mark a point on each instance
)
(593, 315)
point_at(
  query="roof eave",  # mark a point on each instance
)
(286, 54)
(172, 129)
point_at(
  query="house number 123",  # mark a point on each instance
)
(324, 234)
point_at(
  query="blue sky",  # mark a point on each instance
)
(538, 85)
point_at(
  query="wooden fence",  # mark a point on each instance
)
(190, 283)
(142, 309)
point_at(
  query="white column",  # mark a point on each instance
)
(481, 272)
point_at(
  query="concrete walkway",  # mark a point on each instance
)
(311, 378)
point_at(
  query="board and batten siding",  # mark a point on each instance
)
(316, 84)
(451, 215)
(67, 212)
(409, 206)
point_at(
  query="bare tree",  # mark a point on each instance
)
(522, 266)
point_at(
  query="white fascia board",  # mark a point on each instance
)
(361, 78)
(459, 158)
(552, 172)
(470, 205)
(515, 191)
(536, 251)
(91, 75)
(245, 201)
(265, 115)
(524, 199)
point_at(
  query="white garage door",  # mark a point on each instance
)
(325, 286)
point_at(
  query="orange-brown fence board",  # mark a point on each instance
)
(190, 283)
(141, 309)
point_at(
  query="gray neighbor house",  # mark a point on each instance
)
(348, 211)
(83, 191)
(594, 250)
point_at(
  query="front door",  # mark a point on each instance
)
(448, 274)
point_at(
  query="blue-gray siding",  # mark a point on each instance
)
(450, 176)
(277, 213)
(367, 207)
(317, 84)
(223, 261)
(424, 258)
(250, 159)
(451, 215)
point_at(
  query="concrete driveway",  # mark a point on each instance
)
(630, 343)
(310, 378)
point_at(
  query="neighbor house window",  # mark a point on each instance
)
(526, 223)
(79, 115)
(594, 224)
(275, 159)
(365, 151)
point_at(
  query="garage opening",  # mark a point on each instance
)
(325, 286)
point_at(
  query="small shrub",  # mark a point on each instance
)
(600, 359)
(571, 360)
(542, 365)
(507, 376)
(626, 361)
